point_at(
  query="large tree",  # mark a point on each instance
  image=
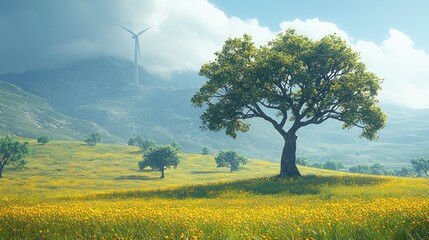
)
(12, 152)
(291, 83)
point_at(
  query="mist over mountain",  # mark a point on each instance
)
(101, 91)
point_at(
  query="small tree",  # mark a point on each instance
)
(43, 140)
(231, 159)
(143, 144)
(132, 141)
(93, 139)
(333, 165)
(359, 169)
(405, 172)
(377, 169)
(160, 158)
(421, 165)
(303, 161)
(12, 152)
(206, 151)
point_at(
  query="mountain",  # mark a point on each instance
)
(92, 81)
(27, 115)
(101, 91)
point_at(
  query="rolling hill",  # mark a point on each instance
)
(27, 115)
(73, 191)
(100, 91)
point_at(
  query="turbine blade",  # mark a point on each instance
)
(128, 30)
(144, 30)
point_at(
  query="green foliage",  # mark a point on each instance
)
(143, 144)
(230, 159)
(143, 164)
(375, 169)
(359, 169)
(12, 152)
(330, 165)
(176, 146)
(160, 158)
(135, 141)
(43, 140)
(302, 81)
(317, 165)
(333, 165)
(405, 172)
(93, 139)
(303, 161)
(205, 151)
(421, 165)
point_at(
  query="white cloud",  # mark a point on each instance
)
(314, 29)
(186, 34)
(404, 68)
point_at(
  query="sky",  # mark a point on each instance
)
(391, 36)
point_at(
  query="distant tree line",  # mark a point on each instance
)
(419, 166)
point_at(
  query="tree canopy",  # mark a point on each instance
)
(230, 159)
(161, 158)
(93, 139)
(43, 140)
(12, 152)
(421, 165)
(291, 83)
(143, 144)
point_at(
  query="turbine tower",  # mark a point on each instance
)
(136, 49)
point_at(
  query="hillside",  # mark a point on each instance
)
(66, 168)
(27, 115)
(99, 90)
(72, 191)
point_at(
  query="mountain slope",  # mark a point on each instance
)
(91, 81)
(100, 90)
(27, 115)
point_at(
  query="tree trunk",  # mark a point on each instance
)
(287, 164)
(162, 173)
(1, 170)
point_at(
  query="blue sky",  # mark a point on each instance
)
(364, 19)
(390, 35)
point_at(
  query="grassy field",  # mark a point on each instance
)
(72, 191)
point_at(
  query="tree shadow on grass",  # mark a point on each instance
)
(306, 185)
(135, 177)
(203, 172)
(136, 152)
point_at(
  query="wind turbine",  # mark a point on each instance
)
(136, 48)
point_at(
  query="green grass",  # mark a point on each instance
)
(72, 191)
(73, 168)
